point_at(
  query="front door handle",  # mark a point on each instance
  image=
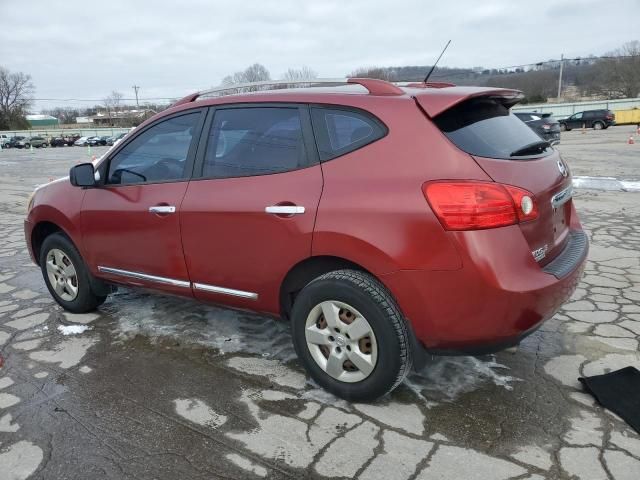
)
(285, 209)
(162, 209)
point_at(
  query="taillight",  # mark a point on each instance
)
(546, 126)
(479, 205)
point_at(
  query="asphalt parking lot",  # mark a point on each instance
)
(164, 388)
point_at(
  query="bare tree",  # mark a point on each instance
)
(372, 72)
(256, 73)
(112, 102)
(15, 97)
(304, 73)
(620, 75)
(253, 73)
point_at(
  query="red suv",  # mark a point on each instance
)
(383, 222)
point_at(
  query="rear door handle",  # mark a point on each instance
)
(162, 209)
(285, 209)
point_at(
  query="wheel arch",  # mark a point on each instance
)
(305, 271)
(40, 232)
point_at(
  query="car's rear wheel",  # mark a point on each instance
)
(598, 125)
(350, 335)
(66, 275)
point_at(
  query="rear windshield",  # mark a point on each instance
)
(485, 128)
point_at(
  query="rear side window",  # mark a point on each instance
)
(340, 131)
(486, 128)
(254, 141)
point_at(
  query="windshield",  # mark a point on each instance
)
(484, 127)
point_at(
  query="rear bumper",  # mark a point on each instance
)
(499, 296)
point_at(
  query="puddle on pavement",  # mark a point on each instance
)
(228, 331)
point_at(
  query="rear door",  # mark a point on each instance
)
(512, 154)
(250, 215)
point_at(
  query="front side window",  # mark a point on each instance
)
(159, 154)
(342, 131)
(577, 116)
(254, 141)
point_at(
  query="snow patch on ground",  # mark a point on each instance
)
(73, 329)
(197, 411)
(606, 183)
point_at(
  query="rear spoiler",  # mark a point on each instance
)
(437, 100)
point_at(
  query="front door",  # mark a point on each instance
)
(250, 216)
(575, 120)
(130, 223)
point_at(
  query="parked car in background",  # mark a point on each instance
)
(295, 210)
(17, 142)
(57, 142)
(61, 141)
(596, 119)
(81, 142)
(37, 142)
(72, 138)
(97, 141)
(113, 140)
(547, 127)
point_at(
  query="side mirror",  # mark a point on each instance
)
(82, 175)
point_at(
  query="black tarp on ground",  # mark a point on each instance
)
(618, 391)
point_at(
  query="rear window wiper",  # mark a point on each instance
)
(535, 147)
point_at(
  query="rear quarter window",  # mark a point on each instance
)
(340, 131)
(486, 128)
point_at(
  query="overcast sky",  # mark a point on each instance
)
(80, 49)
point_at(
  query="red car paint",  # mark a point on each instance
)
(458, 289)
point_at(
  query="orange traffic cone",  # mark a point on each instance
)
(631, 141)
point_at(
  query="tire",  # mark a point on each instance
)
(598, 125)
(84, 299)
(384, 348)
(563, 127)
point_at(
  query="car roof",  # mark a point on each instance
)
(434, 98)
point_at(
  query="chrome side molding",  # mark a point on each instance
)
(225, 291)
(144, 276)
(179, 283)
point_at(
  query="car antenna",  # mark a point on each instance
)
(436, 62)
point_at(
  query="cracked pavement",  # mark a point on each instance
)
(160, 387)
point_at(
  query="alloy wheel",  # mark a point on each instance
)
(62, 274)
(341, 341)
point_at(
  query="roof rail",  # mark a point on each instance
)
(429, 85)
(374, 86)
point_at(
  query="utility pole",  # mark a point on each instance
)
(559, 79)
(136, 88)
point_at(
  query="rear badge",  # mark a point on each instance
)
(540, 253)
(562, 167)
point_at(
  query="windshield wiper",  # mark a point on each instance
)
(535, 147)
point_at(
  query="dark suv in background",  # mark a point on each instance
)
(543, 124)
(596, 119)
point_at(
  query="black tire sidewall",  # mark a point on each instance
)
(389, 362)
(86, 300)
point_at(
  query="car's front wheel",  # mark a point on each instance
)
(350, 335)
(66, 275)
